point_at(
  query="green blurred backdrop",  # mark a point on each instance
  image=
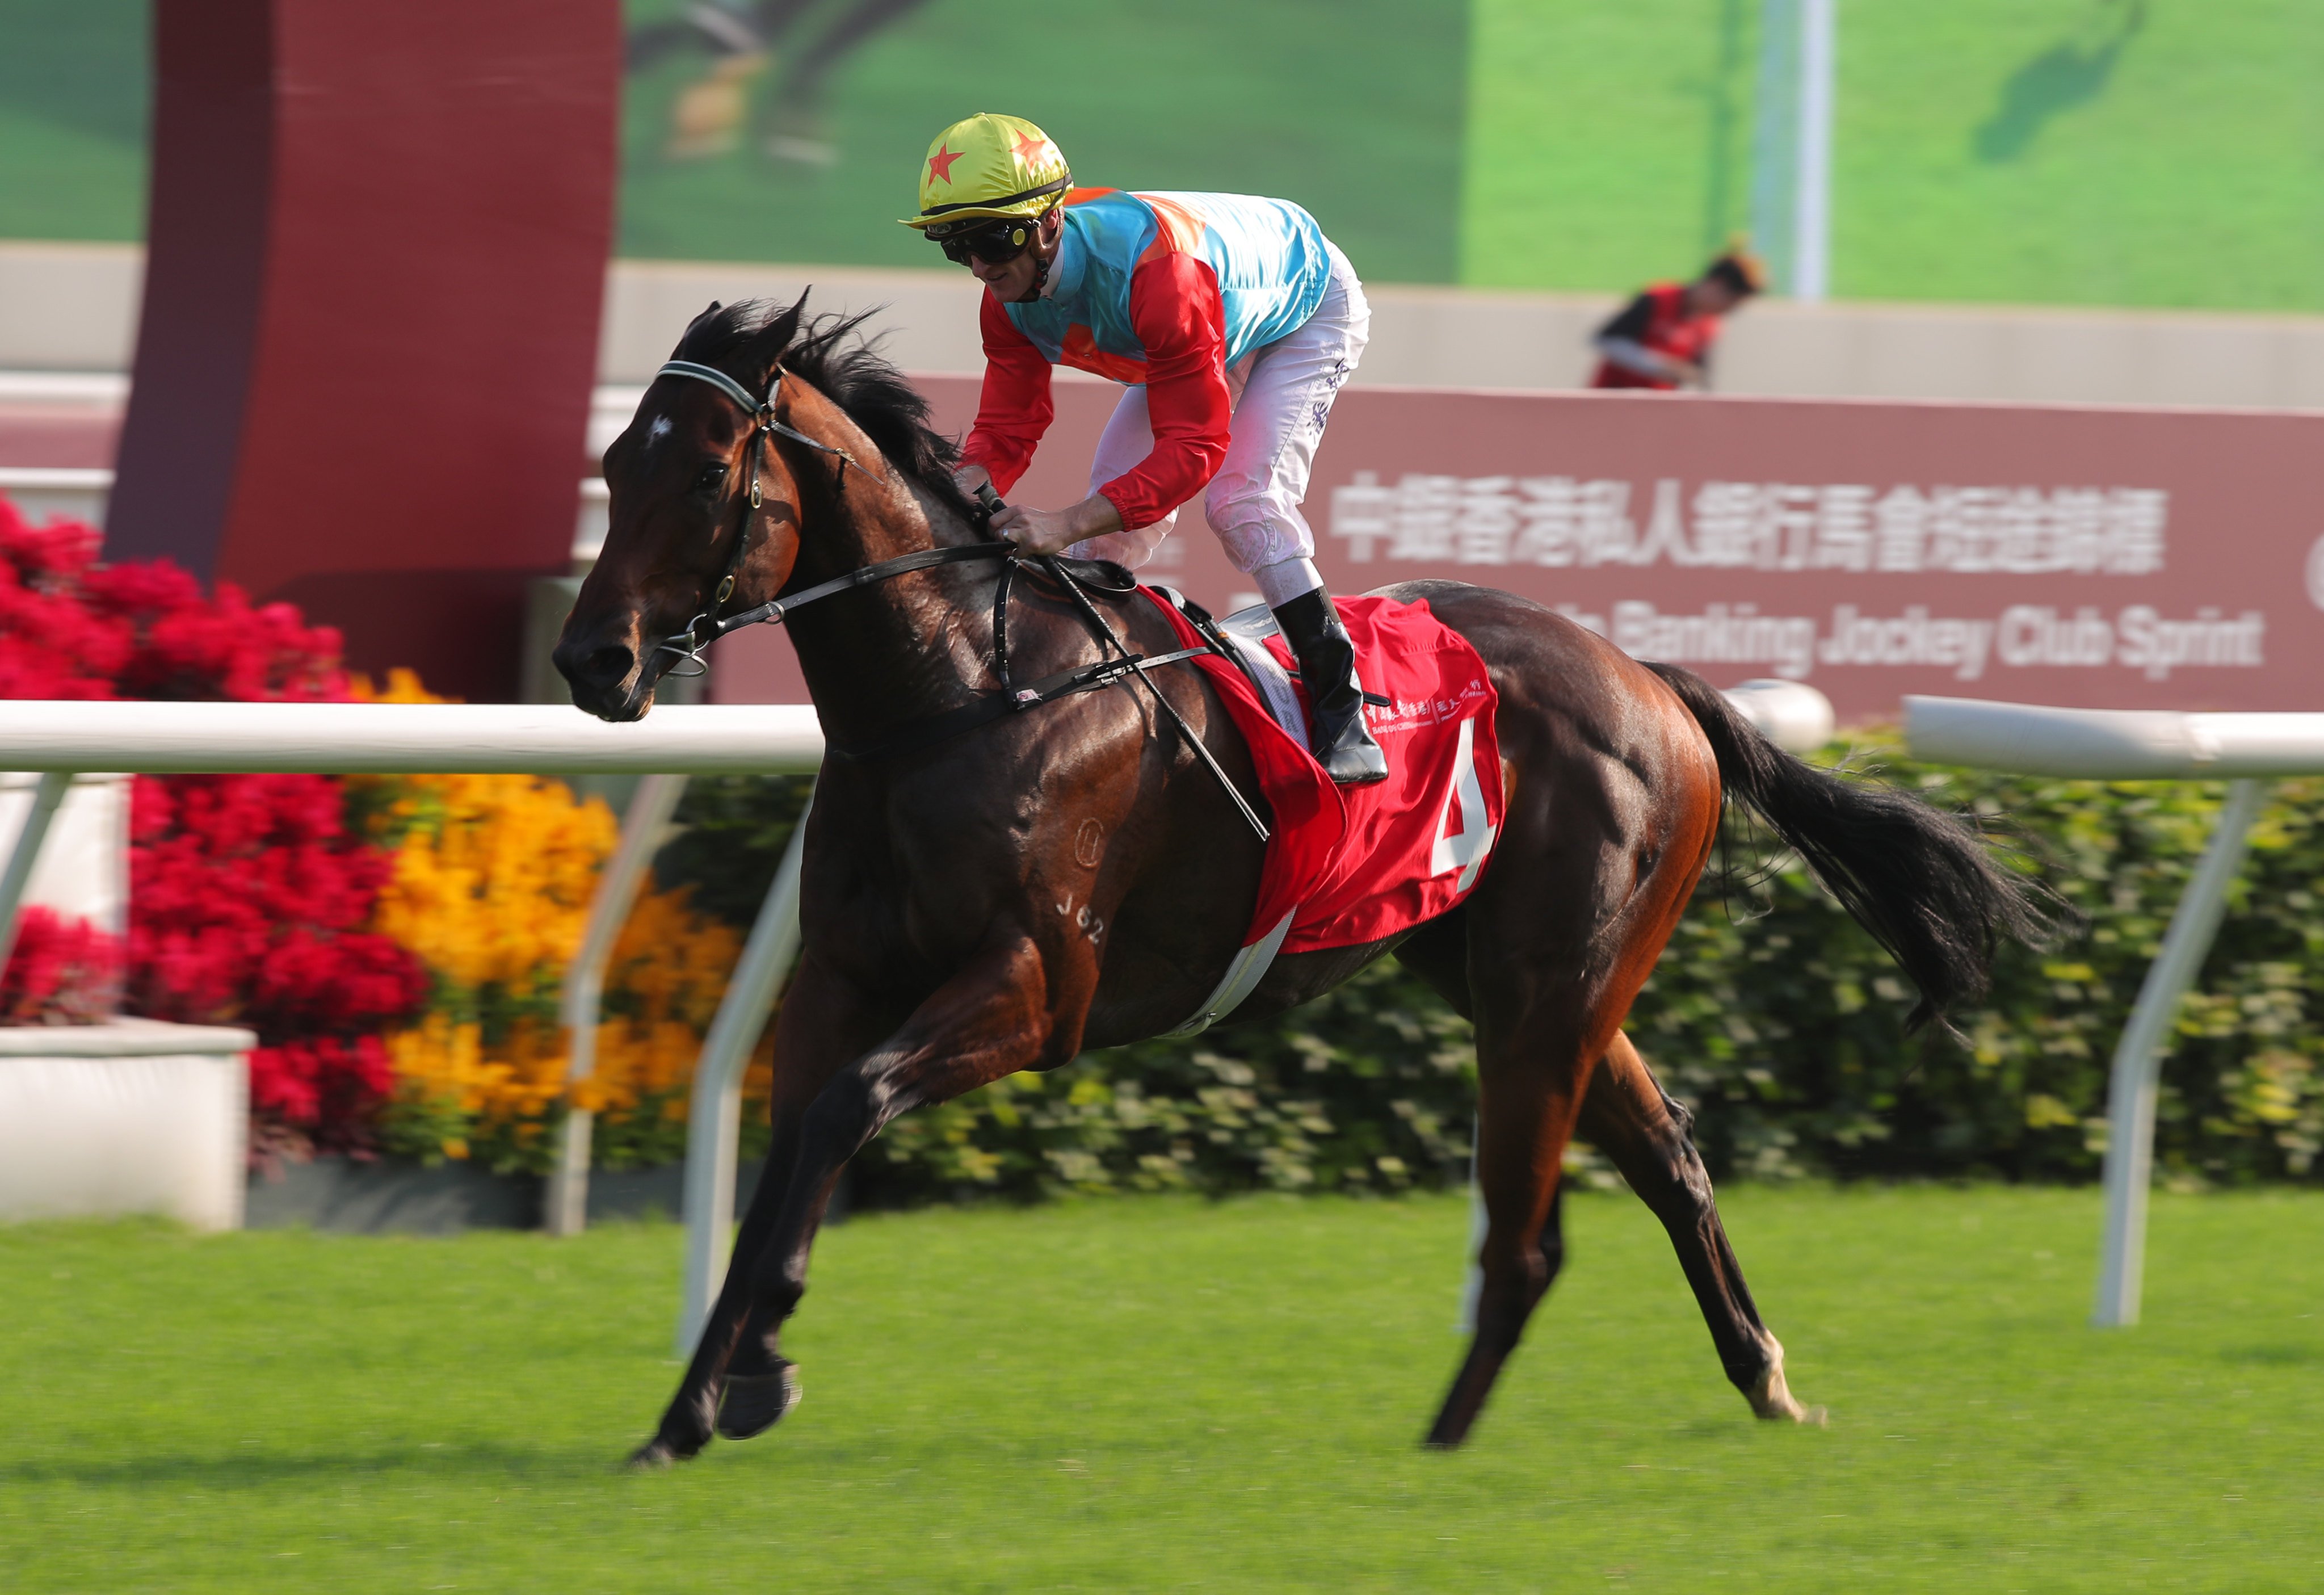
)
(2163, 152)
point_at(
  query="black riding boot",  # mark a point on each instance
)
(1343, 744)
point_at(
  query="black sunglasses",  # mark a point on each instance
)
(997, 244)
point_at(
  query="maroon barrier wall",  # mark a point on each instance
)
(2116, 559)
(377, 251)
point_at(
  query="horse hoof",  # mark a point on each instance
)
(653, 1457)
(752, 1404)
(1772, 1399)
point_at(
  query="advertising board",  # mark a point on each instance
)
(2087, 557)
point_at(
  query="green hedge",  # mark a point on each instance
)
(1771, 1015)
(1784, 1032)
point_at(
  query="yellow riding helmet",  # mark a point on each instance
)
(988, 166)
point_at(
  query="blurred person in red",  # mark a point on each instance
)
(1662, 340)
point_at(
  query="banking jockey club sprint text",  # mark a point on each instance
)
(1837, 529)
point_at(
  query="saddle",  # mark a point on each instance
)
(1352, 865)
(1240, 639)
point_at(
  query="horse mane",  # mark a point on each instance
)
(847, 368)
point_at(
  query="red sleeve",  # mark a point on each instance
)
(1014, 408)
(1174, 311)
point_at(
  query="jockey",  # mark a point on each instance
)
(1231, 319)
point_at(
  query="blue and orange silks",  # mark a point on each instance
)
(1164, 289)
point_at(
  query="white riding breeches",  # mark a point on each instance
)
(1282, 394)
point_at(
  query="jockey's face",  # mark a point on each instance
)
(1711, 297)
(1019, 281)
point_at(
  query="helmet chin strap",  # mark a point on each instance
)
(1040, 262)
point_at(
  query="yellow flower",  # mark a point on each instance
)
(491, 891)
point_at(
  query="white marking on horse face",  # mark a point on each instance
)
(660, 430)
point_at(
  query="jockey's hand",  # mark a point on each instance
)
(1037, 531)
(1052, 532)
(970, 477)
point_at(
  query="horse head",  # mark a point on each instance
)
(700, 493)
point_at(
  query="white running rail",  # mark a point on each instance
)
(2135, 744)
(61, 738)
(407, 738)
(528, 739)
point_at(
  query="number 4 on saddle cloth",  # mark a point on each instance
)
(1349, 865)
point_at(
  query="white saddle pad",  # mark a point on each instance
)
(1247, 631)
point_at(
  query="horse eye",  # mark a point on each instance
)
(706, 480)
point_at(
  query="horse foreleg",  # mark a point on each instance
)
(989, 1021)
(1626, 1115)
(817, 1030)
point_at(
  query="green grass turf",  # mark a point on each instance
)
(2083, 151)
(1607, 145)
(1352, 107)
(2156, 152)
(1162, 1395)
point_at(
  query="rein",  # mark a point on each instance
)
(708, 626)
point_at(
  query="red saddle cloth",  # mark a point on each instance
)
(1353, 865)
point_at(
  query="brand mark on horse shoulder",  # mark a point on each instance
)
(1088, 921)
(1087, 842)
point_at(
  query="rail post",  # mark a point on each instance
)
(46, 796)
(714, 1121)
(2138, 1057)
(565, 1200)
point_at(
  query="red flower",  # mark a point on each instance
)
(248, 894)
(61, 971)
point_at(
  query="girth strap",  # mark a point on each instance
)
(1244, 971)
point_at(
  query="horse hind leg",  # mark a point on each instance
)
(1528, 1095)
(1626, 1115)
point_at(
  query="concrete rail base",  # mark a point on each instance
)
(134, 1116)
(394, 1195)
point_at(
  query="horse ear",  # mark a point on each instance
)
(699, 320)
(768, 345)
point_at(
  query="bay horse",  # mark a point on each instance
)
(1076, 876)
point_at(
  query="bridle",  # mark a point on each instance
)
(708, 626)
(690, 643)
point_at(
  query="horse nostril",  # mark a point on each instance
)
(610, 666)
(601, 668)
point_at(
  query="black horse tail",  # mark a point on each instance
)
(1922, 882)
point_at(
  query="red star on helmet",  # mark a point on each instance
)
(1030, 149)
(940, 163)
